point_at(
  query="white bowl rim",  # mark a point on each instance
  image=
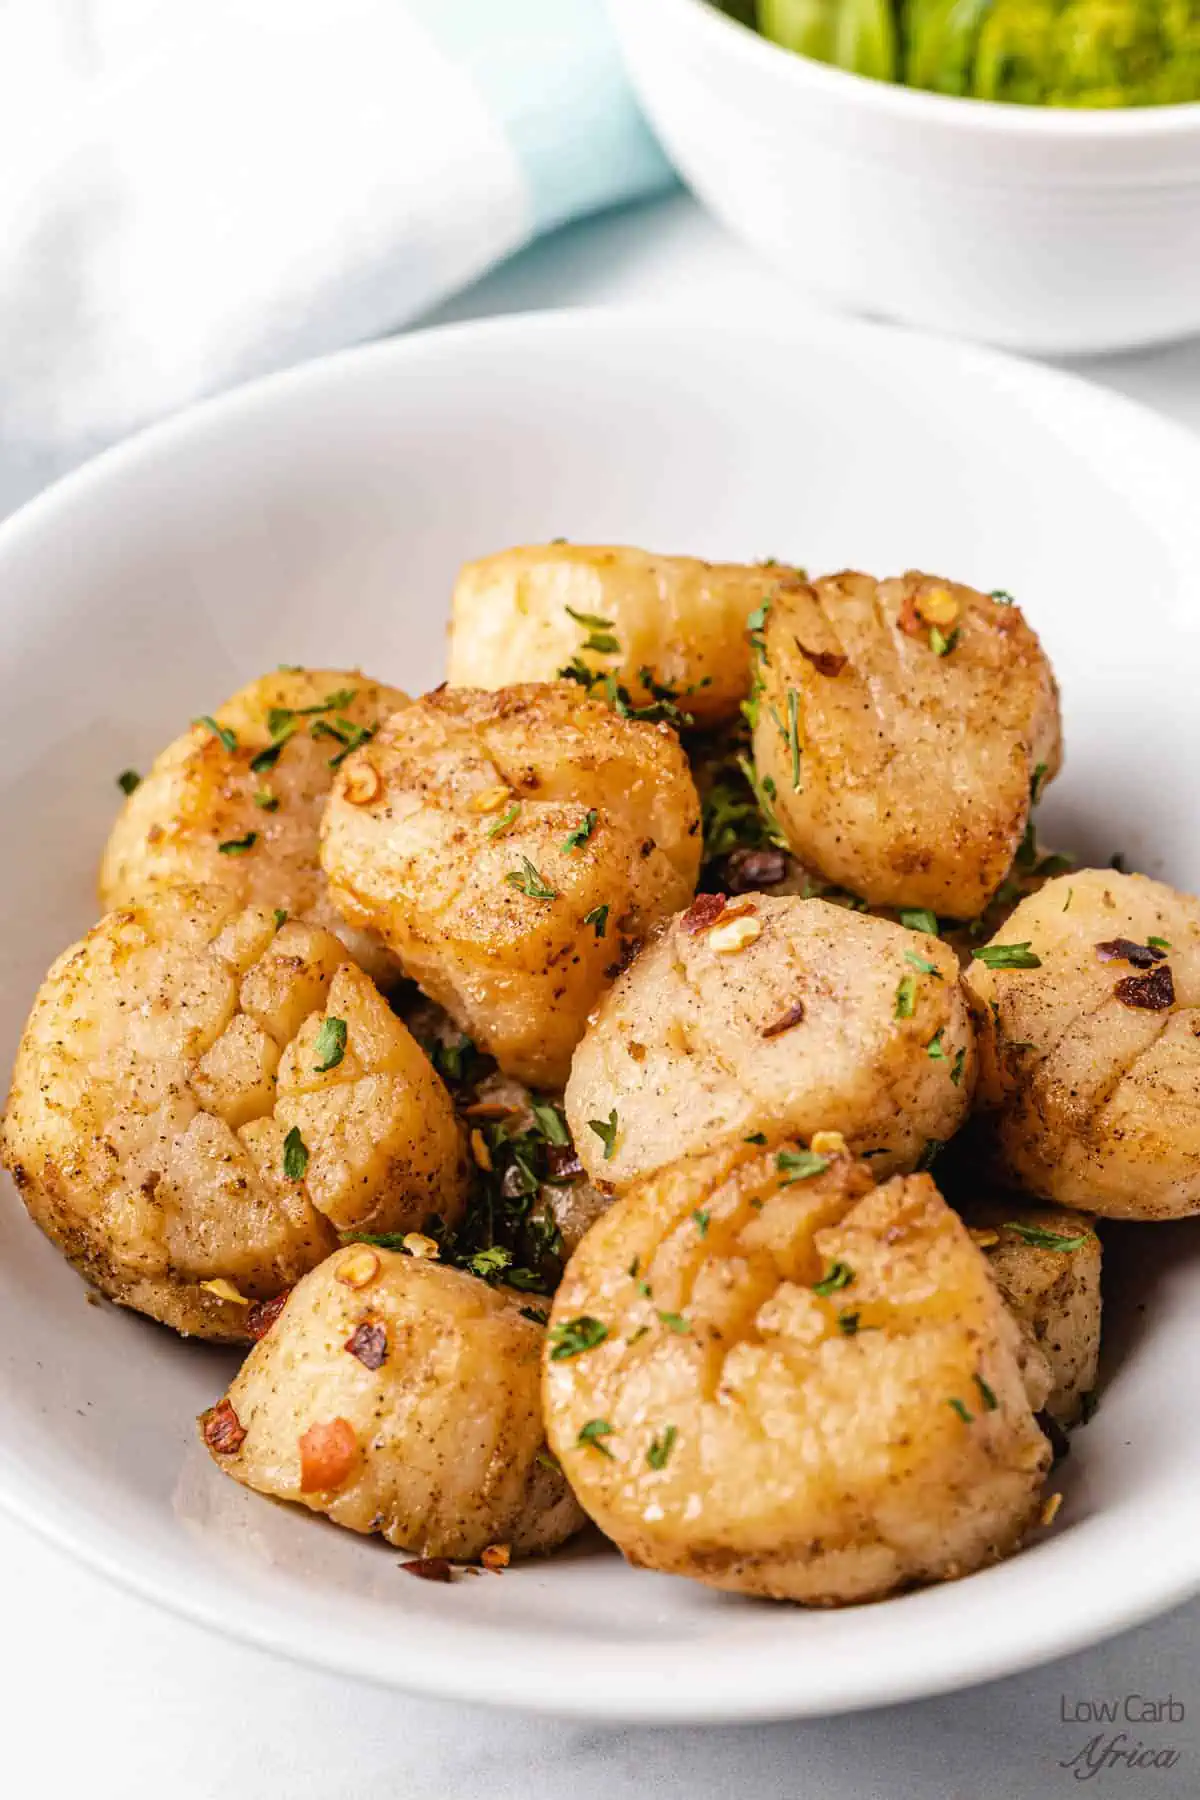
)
(440, 1670)
(990, 118)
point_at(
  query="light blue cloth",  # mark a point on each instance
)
(194, 192)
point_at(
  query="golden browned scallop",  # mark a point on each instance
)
(1089, 1013)
(236, 801)
(1046, 1262)
(765, 1373)
(653, 623)
(202, 1100)
(400, 1397)
(773, 1016)
(902, 730)
(509, 847)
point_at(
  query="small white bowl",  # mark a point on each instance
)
(1048, 230)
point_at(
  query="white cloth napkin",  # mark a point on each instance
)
(196, 191)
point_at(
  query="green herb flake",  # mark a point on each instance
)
(597, 919)
(1038, 783)
(535, 1314)
(1007, 956)
(531, 881)
(939, 643)
(266, 801)
(228, 738)
(919, 962)
(756, 1137)
(591, 1437)
(964, 1412)
(575, 840)
(1042, 1239)
(920, 919)
(501, 825)
(986, 1394)
(764, 793)
(956, 1073)
(606, 1131)
(838, 1275)
(573, 1336)
(128, 780)
(281, 723)
(1069, 898)
(675, 1322)
(1159, 943)
(793, 735)
(1002, 597)
(906, 997)
(590, 621)
(295, 1155)
(330, 1046)
(550, 1122)
(702, 1220)
(800, 1165)
(266, 759)
(238, 846)
(935, 1050)
(491, 1263)
(281, 918)
(661, 1447)
(848, 1323)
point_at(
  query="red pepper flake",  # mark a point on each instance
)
(327, 1455)
(703, 913)
(222, 1430)
(746, 871)
(825, 662)
(368, 1342)
(1154, 992)
(792, 1016)
(1142, 956)
(496, 1557)
(263, 1314)
(430, 1568)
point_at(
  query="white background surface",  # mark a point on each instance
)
(102, 1692)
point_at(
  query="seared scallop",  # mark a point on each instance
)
(510, 848)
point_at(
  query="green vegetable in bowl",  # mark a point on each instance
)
(1079, 53)
(852, 34)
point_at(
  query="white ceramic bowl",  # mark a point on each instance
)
(320, 516)
(1039, 229)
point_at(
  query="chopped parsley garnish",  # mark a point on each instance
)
(591, 621)
(934, 1049)
(573, 1336)
(266, 759)
(281, 723)
(330, 1046)
(764, 793)
(1003, 596)
(1159, 943)
(906, 997)
(536, 1313)
(505, 820)
(939, 643)
(929, 1155)
(295, 1155)
(756, 1137)
(128, 780)
(1042, 1239)
(592, 1434)
(847, 1323)
(1007, 956)
(1038, 783)
(238, 846)
(920, 919)
(575, 840)
(986, 1394)
(919, 962)
(793, 734)
(597, 919)
(702, 1218)
(606, 1131)
(756, 625)
(1069, 898)
(531, 881)
(956, 1073)
(227, 737)
(800, 1165)
(267, 801)
(281, 918)
(550, 1121)
(490, 1263)
(661, 1448)
(838, 1275)
(674, 1322)
(964, 1412)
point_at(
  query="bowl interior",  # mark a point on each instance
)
(320, 517)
